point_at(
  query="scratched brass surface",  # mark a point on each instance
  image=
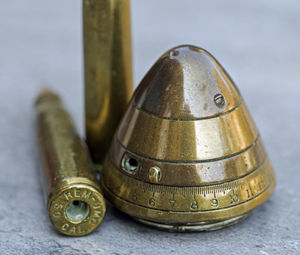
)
(187, 155)
(182, 141)
(74, 200)
(197, 173)
(108, 70)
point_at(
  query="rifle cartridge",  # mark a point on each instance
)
(74, 200)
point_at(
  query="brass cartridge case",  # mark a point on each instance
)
(74, 200)
(108, 70)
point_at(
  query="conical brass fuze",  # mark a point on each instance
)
(187, 155)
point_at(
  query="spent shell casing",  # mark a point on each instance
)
(74, 200)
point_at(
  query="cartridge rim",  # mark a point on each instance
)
(66, 195)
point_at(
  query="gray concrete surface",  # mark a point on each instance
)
(258, 43)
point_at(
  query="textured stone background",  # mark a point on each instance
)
(258, 43)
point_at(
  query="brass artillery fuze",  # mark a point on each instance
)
(187, 155)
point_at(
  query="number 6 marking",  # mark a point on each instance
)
(152, 201)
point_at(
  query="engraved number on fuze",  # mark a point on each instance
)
(198, 200)
(212, 197)
(214, 203)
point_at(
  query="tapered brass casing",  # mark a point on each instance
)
(187, 155)
(108, 70)
(74, 200)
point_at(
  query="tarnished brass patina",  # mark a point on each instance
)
(187, 155)
(74, 200)
(108, 70)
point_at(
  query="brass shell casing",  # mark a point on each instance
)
(187, 155)
(108, 70)
(74, 199)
